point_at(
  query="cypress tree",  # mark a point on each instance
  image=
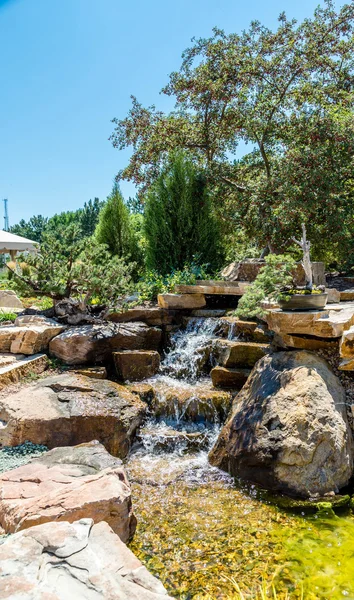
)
(180, 224)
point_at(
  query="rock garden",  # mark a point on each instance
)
(177, 368)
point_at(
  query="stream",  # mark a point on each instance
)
(204, 534)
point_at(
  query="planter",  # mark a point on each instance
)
(304, 302)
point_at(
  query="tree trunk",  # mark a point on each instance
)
(306, 260)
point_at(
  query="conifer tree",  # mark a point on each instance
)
(114, 228)
(180, 225)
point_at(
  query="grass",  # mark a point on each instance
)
(40, 302)
(7, 316)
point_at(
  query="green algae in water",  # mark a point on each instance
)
(200, 537)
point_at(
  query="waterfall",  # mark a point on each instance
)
(190, 349)
(186, 412)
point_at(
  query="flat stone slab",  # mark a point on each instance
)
(328, 323)
(28, 336)
(211, 290)
(153, 316)
(230, 353)
(289, 340)
(73, 561)
(333, 296)
(181, 301)
(190, 402)
(14, 367)
(66, 484)
(71, 409)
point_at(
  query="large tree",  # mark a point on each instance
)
(288, 94)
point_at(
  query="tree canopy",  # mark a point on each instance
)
(288, 95)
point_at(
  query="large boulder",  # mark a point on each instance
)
(66, 410)
(76, 561)
(66, 484)
(288, 430)
(95, 343)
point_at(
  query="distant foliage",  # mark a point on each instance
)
(85, 218)
(179, 218)
(272, 278)
(32, 229)
(89, 215)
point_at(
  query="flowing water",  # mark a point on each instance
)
(200, 531)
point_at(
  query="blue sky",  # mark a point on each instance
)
(69, 66)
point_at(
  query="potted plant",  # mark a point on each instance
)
(308, 297)
(275, 284)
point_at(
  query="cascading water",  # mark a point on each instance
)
(185, 415)
(189, 348)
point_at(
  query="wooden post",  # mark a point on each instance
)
(305, 245)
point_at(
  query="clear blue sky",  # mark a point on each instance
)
(69, 66)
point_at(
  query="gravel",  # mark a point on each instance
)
(12, 457)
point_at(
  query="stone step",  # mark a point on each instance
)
(181, 301)
(230, 353)
(14, 367)
(136, 365)
(229, 378)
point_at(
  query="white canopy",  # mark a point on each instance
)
(11, 243)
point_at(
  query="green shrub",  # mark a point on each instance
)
(154, 283)
(269, 284)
